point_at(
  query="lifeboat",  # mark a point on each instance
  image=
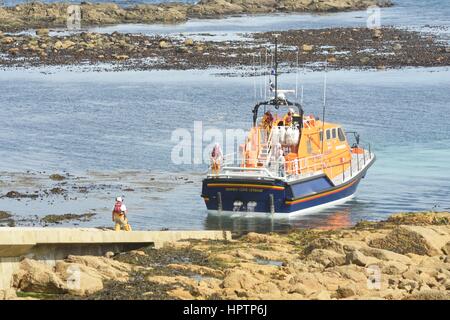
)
(291, 163)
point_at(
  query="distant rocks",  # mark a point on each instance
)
(56, 176)
(55, 219)
(4, 215)
(340, 47)
(51, 15)
(19, 195)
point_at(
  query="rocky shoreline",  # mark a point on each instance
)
(405, 257)
(340, 47)
(53, 15)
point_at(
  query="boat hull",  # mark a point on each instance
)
(276, 197)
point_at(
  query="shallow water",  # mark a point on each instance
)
(80, 122)
(113, 130)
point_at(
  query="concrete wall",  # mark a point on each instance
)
(53, 244)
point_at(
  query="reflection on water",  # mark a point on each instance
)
(329, 219)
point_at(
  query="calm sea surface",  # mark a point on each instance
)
(54, 120)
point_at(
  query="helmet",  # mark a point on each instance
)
(119, 199)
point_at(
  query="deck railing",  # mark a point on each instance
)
(234, 165)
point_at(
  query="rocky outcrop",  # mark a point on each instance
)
(415, 239)
(212, 8)
(76, 275)
(371, 261)
(347, 48)
(38, 15)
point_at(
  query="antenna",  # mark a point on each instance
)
(254, 78)
(265, 77)
(276, 70)
(261, 84)
(303, 77)
(324, 102)
(296, 77)
(301, 97)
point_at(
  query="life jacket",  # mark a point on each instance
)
(117, 207)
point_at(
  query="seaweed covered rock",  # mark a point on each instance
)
(414, 239)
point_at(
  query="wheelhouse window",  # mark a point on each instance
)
(333, 133)
(341, 135)
(328, 134)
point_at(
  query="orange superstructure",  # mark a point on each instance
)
(307, 153)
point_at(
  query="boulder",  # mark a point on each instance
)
(164, 44)
(327, 258)
(429, 295)
(301, 289)
(397, 47)
(13, 51)
(385, 255)
(189, 42)
(239, 279)
(307, 47)
(7, 40)
(408, 285)
(446, 248)
(393, 267)
(358, 258)
(324, 243)
(321, 295)
(254, 237)
(377, 34)
(77, 275)
(42, 32)
(79, 280)
(58, 45)
(331, 60)
(352, 272)
(180, 293)
(345, 291)
(240, 253)
(107, 269)
(36, 276)
(67, 44)
(364, 60)
(414, 239)
(8, 294)
(121, 57)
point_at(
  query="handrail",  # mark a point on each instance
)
(297, 167)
